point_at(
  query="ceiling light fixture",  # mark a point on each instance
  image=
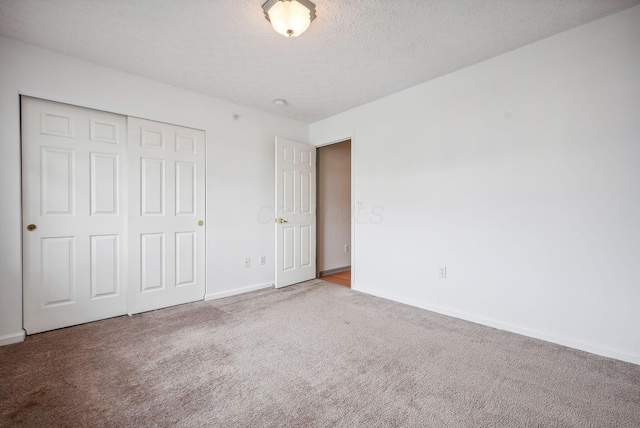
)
(289, 17)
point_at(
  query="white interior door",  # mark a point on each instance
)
(296, 212)
(166, 167)
(74, 214)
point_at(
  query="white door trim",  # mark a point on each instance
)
(109, 108)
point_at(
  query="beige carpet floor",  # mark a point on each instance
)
(314, 354)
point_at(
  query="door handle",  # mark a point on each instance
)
(281, 220)
(32, 227)
(200, 222)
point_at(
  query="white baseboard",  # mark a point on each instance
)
(235, 291)
(12, 338)
(605, 352)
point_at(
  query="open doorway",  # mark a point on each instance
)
(334, 213)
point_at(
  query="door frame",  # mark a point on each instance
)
(328, 142)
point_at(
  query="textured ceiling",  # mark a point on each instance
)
(354, 52)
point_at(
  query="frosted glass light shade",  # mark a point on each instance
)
(290, 17)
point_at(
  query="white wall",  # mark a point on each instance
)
(240, 164)
(334, 206)
(521, 174)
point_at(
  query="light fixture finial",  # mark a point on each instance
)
(289, 17)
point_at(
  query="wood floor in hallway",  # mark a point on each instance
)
(342, 278)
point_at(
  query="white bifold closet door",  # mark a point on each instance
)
(74, 214)
(111, 207)
(166, 215)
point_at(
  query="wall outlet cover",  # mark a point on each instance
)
(442, 271)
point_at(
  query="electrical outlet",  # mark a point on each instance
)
(347, 248)
(263, 260)
(442, 271)
(247, 262)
